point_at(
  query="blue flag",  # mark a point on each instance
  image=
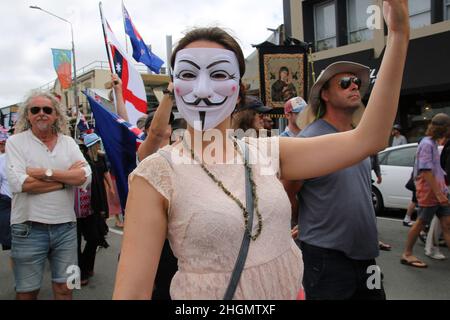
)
(120, 142)
(141, 52)
(82, 124)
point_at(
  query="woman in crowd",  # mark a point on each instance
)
(190, 194)
(91, 224)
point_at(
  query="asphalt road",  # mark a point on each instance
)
(401, 282)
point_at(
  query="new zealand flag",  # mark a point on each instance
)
(141, 52)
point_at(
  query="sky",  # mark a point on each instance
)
(28, 35)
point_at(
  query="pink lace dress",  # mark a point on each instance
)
(205, 228)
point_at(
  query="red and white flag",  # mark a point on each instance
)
(132, 84)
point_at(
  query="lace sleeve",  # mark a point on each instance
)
(157, 172)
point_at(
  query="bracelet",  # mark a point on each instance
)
(169, 93)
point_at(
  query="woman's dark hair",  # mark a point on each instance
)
(243, 119)
(217, 35)
(437, 131)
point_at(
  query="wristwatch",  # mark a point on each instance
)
(48, 173)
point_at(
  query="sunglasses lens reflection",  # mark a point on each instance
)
(36, 110)
(346, 81)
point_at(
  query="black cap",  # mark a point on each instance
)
(254, 103)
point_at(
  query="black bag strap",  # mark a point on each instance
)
(240, 262)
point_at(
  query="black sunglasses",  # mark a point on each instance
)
(346, 81)
(36, 110)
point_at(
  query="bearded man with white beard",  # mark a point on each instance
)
(43, 166)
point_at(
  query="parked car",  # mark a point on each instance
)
(396, 164)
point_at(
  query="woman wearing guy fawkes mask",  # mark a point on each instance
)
(193, 192)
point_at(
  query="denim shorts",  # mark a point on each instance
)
(426, 214)
(33, 243)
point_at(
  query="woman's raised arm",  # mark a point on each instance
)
(312, 157)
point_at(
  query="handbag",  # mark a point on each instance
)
(240, 261)
(410, 184)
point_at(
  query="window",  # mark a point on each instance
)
(420, 13)
(357, 21)
(325, 26)
(447, 10)
(403, 157)
(382, 157)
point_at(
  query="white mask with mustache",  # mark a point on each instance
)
(206, 85)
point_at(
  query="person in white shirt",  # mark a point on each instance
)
(43, 164)
(398, 139)
(5, 198)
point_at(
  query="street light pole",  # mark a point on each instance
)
(75, 87)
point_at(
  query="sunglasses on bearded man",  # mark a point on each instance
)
(345, 82)
(36, 110)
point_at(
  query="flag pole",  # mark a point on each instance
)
(123, 16)
(108, 51)
(105, 38)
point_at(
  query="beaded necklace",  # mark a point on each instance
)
(230, 195)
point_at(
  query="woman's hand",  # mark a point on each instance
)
(294, 232)
(117, 82)
(396, 15)
(170, 86)
(443, 199)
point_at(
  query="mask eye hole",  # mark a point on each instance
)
(221, 75)
(186, 75)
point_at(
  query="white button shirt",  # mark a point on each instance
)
(4, 187)
(25, 150)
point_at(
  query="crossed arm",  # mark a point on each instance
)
(37, 182)
(33, 180)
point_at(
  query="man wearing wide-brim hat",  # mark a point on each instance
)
(337, 227)
(316, 108)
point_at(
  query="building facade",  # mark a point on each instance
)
(354, 30)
